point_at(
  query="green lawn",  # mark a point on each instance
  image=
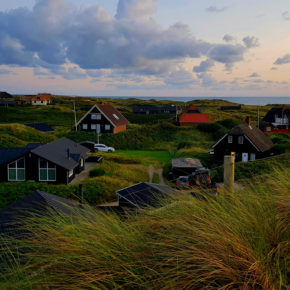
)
(147, 157)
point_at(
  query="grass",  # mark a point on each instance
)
(119, 172)
(239, 241)
(146, 157)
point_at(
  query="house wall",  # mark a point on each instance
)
(120, 129)
(102, 122)
(32, 171)
(225, 148)
(39, 103)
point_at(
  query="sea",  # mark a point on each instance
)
(256, 101)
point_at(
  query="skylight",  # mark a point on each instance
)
(116, 116)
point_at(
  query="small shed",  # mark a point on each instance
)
(43, 127)
(184, 166)
(143, 194)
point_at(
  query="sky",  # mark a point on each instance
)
(145, 47)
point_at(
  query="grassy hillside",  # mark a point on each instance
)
(239, 241)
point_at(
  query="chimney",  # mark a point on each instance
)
(248, 121)
(68, 153)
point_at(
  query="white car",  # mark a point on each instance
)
(103, 148)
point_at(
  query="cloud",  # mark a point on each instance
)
(251, 42)
(228, 38)
(4, 71)
(215, 9)
(204, 66)
(254, 75)
(55, 33)
(283, 60)
(286, 15)
(180, 78)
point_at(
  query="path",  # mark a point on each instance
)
(84, 174)
(159, 171)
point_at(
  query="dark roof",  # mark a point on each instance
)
(186, 163)
(258, 138)
(270, 116)
(231, 108)
(7, 103)
(40, 127)
(10, 154)
(57, 153)
(145, 194)
(5, 95)
(116, 118)
(34, 204)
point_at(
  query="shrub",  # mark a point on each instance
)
(97, 172)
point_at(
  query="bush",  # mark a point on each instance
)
(185, 144)
(97, 172)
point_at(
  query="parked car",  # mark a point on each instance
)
(183, 181)
(103, 148)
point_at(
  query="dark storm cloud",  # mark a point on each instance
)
(283, 60)
(55, 33)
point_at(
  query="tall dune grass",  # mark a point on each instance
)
(238, 241)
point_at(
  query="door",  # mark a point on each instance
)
(245, 157)
(98, 128)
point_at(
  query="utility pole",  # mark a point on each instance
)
(75, 114)
(258, 116)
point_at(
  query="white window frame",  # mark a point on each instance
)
(47, 169)
(108, 127)
(93, 125)
(230, 139)
(241, 139)
(85, 126)
(16, 168)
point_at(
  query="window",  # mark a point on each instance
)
(16, 170)
(70, 173)
(85, 126)
(93, 126)
(268, 129)
(116, 117)
(107, 127)
(241, 140)
(230, 139)
(253, 156)
(96, 116)
(47, 170)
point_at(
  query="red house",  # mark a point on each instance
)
(277, 120)
(192, 116)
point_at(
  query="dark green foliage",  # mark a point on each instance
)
(245, 170)
(97, 172)
(137, 138)
(94, 192)
(281, 142)
(148, 119)
(185, 144)
(13, 191)
(215, 129)
(228, 123)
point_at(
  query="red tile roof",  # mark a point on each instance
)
(192, 108)
(193, 118)
(113, 115)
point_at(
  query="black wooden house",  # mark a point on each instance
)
(102, 118)
(55, 162)
(151, 110)
(246, 142)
